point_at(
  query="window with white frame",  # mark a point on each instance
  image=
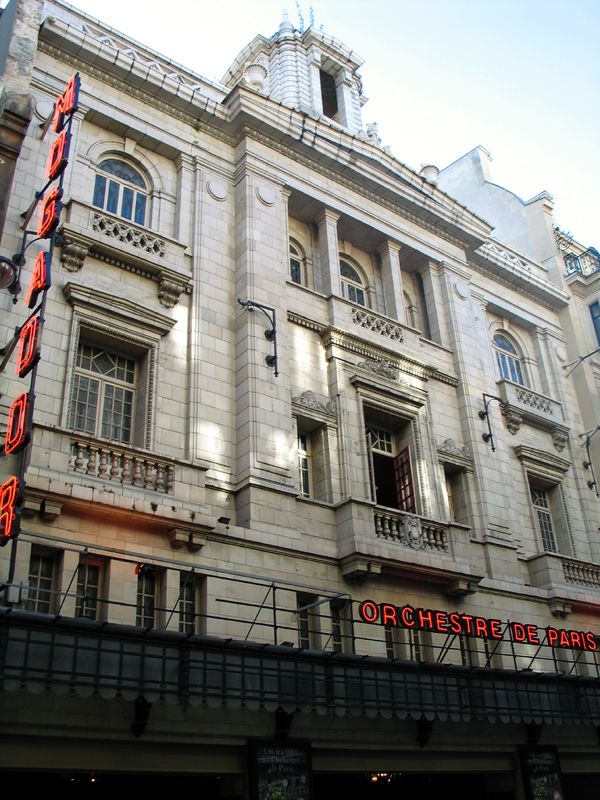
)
(42, 582)
(304, 464)
(120, 189)
(103, 393)
(340, 611)
(191, 588)
(508, 359)
(297, 265)
(312, 454)
(352, 284)
(540, 499)
(391, 466)
(147, 599)
(308, 620)
(90, 585)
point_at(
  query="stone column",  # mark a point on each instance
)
(434, 306)
(329, 251)
(185, 190)
(392, 280)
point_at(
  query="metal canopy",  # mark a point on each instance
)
(88, 659)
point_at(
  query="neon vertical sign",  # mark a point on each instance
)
(28, 336)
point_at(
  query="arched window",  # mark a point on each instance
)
(508, 359)
(120, 189)
(411, 311)
(297, 265)
(352, 284)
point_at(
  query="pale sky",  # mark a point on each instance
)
(520, 77)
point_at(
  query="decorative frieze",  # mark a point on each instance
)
(310, 400)
(377, 324)
(128, 234)
(169, 292)
(384, 367)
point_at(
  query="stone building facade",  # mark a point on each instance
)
(306, 466)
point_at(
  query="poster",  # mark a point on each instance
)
(541, 774)
(280, 770)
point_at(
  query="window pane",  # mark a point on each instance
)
(117, 413)
(124, 171)
(84, 404)
(99, 191)
(112, 203)
(187, 603)
(296, 270)
(41, 579)
(146, 600)
(140, 208)
(346, 271)
(127, 203)
(88, 591)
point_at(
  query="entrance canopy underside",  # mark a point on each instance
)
(94, 659)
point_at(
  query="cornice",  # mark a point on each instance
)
(379, 355)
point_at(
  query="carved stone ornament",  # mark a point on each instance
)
(382, 366)
(169, 292)
(310, 400)
(513, 419)
(453, 448)
(413, 535)
(559, 439)
(73, 255)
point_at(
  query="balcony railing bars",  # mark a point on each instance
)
(585, 264)
(237, 608)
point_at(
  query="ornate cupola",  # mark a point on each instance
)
(309, 71)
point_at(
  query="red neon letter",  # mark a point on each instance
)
(29, 352)
(58, 156)
(425, 619)
(467, 619)
(16, 428)
(455, 625)
(66, 104)
(368, 611)
(406, 612)
(495, 629)
(49, 214)
(441, 622)
(518, 632)
(480, 627)
(8, 502)
(591, 640)
(40, 279)
(552, 636)
(388, 615)
(531, 632)
(576, 640)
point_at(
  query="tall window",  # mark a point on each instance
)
(391, 470)
(508, 359)
(297, 265)
(352, 284)
(90, 574)
(308, 620)
(42, 580)
(595, 314)
(340, 611)
(102, 400)
(541, 504)
(304, 464)
(190, 603)
(120, 189)
(147, 597)
(328, 94)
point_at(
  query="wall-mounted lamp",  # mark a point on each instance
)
(271, 334)
(8, 273)
(587, 464)
(484, 413)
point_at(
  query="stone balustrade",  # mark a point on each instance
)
(412, 531)
(121, 465)
(582, 574)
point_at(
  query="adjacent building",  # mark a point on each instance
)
(307, 507)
